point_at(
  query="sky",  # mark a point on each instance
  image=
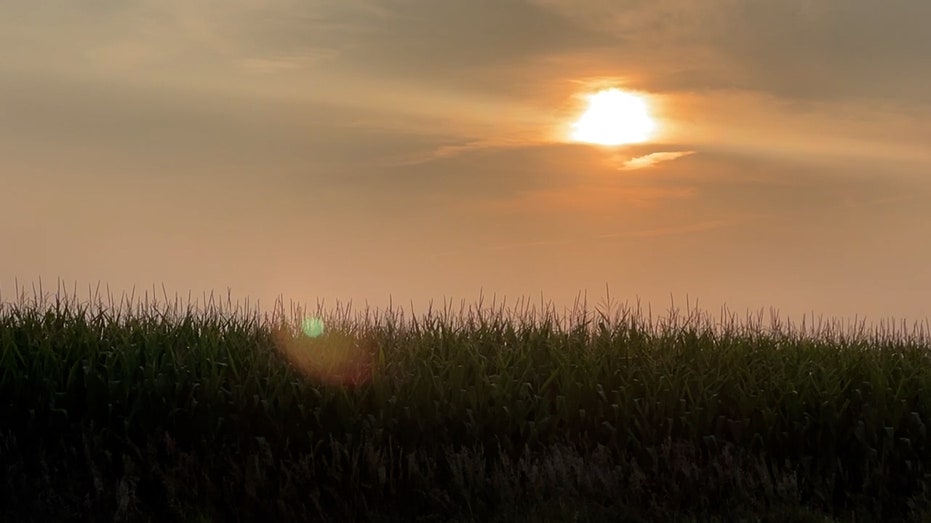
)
(420, 150)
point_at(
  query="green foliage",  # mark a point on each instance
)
(152, 410)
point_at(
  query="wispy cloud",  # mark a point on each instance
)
(283, 64)
(452, 150)
(589, 199)
(693, 228)
(670, 231)
(652, 159)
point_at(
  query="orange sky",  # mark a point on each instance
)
(338, 150)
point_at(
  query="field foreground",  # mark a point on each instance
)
(162, 412)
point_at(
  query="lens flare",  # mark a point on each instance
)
(312, 327)
(335, 358)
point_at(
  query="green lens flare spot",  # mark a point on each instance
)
(312, 327)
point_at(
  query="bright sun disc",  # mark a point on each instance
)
(614, 117)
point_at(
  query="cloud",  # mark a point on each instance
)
(671, 231)
(794, 49)
(689, 229)
(593, 199)
(459, 148)
(649, 160)
(284, 64)
(454, 38)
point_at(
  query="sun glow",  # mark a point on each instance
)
(614, 117)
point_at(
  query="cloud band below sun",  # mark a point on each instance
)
(649, 160)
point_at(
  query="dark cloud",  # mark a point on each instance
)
(830, 49)
(791, 48)
(459, 40)
(147, 127)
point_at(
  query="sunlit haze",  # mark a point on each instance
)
(750, 154)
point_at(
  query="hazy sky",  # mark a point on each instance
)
(356, 149)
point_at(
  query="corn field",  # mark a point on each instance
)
(152, 409)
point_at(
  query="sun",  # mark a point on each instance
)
(614, 117)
